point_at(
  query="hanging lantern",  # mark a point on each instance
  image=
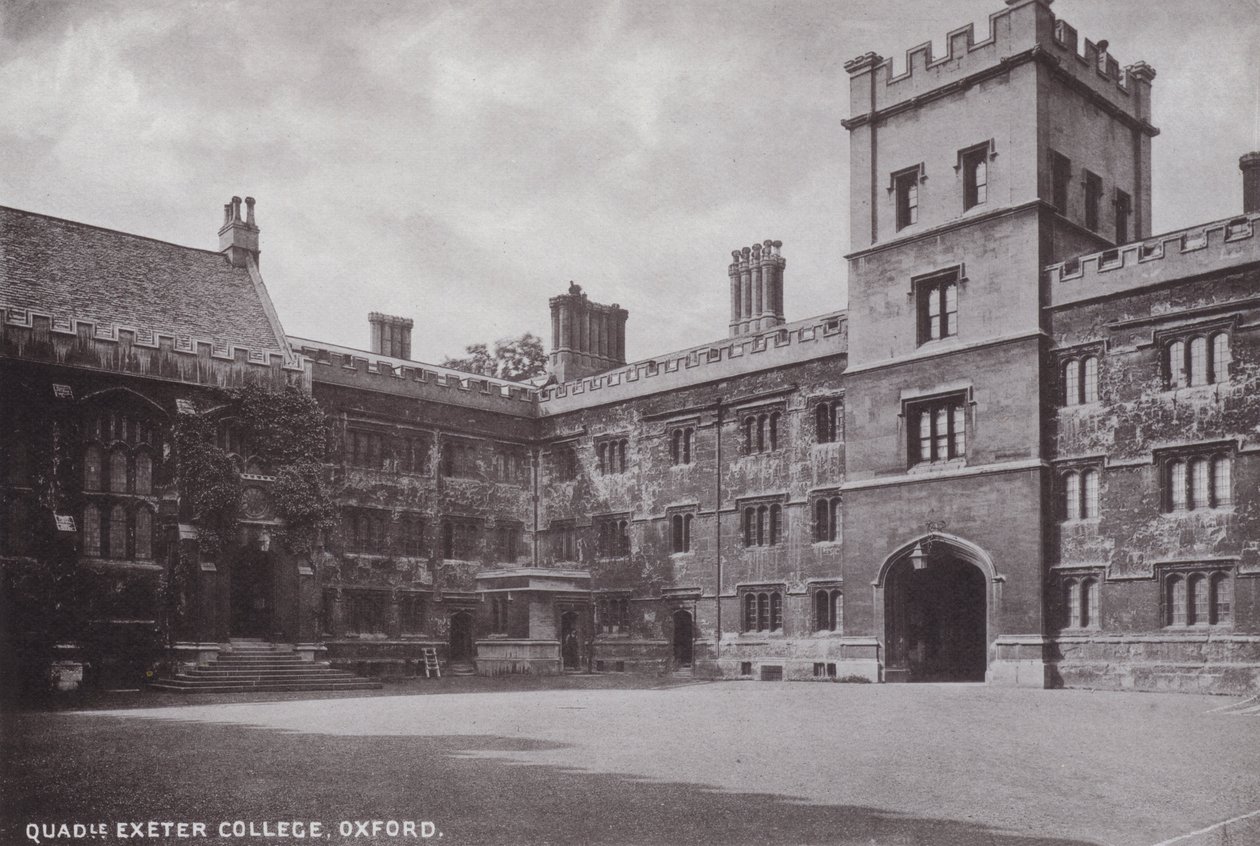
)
(918, 557)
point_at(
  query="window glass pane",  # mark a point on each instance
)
(1072, 496)
(1090, 504)
(960, 431)
(1199, 484)
(1198, 361)
(1089, 379)
(1177, 485)
(940, 424)
(1074, 604)
(1198, 610)
(776, 611)
(1089, 603)
(117, 532)
(1222, 481)
(1220, 357)
(144, 533)
(950, 327)
(91, 531)
(144, 473)
(92, 468)
(1220, 599)
(118, 471)
(1176, 615)
(925, 435)
(1072, 382)
(1177, 365)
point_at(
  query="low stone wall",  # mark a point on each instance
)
(499, 657)
(821, 658)
(632, 655)
(376, 658)
(1183, 663)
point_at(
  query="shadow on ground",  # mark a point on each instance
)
(84, 768)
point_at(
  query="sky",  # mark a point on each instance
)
(461, 162)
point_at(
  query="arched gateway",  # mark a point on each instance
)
(936, 601)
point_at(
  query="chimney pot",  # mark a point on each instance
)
(249, 210)
(1249, 164)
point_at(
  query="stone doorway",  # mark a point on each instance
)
(684, 639)
(461, 638)
(253, 595)
(936, 618)
(570, 641)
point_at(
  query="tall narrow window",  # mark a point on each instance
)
(1197, 610)
(1089, 603)
(1071, 382)
(92, 468)
(1093, 199)
(937, 307)
(1089, 494)
(975, 169)
(1200, 484)
(1177, 488)
(750, 526)
(1060, 179)
(1220, 609)
(750, 612)
(1072, 496)
(675, 447)
(774, 430)
(776, 611)
(1175, 613)
(776, 517)
(144, 532)
(906, 188)
(822, 521)
(1072, 595)
(144, 473)
(1124, 207)
(1220, 357)
(91, 531)
(1222, 481)
(1198, 361)
(1089, 379)
(1176, 365)
(118, 471)
(117, 532)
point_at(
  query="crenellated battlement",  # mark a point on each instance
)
(358, 368)
(813, 338)
(1176, 255)
(1023, 32)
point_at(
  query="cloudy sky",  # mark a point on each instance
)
(460, 162)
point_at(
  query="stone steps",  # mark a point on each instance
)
(256, 666)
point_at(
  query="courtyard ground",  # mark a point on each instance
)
(727, 762)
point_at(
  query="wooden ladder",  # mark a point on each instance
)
(431, 666)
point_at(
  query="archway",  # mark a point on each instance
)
(461, 640)
(252, 595)
(570, 641)
(684, 637)
(936, 608)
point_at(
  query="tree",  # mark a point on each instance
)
(514, 359)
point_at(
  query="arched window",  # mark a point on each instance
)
(1089, 379)
(1219, 599)
(761, 433)
(144, 532)
(621, 456)
(144, 473)
(750, 443)
(1176, 363)
(1175, 612)
(1198, 361)
(601, 452)
(1071, 382)
(117, 532)
(1222, 481)
(750, 612)
(774, 431)
(686, 453)
(675, 447)
(91, 531)
(750, 526)
(827, 610)
(1220, 357)
(677, 530)
(824, 432)
(92, 468)
(776, 517)
(1197, 609)
(763, 612)
(1200, 484)
(761, 525)
(776, 611)
(1089, 494)
(822, 521)
(687, 532)
(1072, 603)
(1072, 496)
(1177, 485)
(1089, 603)
(118, 471)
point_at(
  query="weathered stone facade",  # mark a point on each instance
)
(1026, 453)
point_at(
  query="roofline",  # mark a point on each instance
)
(107, 229)
(296, 342)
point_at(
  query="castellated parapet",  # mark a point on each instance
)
(1023, 32)
(756, 275)
(586, 337)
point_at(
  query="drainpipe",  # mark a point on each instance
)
(717, 523)
(535, 462)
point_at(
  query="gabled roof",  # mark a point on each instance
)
(74, 270)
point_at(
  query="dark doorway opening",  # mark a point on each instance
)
(936, 620)
(570, 641)
(253, 595)
(462, 649)
(684, 638)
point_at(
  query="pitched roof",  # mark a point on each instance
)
(74, 270)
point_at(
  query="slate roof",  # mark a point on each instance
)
(74, 270)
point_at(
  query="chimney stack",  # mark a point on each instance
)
(586, 337)
(391, 335)
(238, 238)
(1250, 167)
(756, 274)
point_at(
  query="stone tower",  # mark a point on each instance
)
(586, 337)
(756, 288)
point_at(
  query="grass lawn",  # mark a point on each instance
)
(727, 762)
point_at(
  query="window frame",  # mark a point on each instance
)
(972, 162)
(904, 188)
(1197, 479)
(1092, 185)
(1060, 181)
(935, 289)
(761, 609)
(1180, 607)
(956, 404)
(1177, 356)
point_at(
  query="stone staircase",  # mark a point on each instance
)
(461, 668)
(256, 665)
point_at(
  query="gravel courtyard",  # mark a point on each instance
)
(733, 762)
